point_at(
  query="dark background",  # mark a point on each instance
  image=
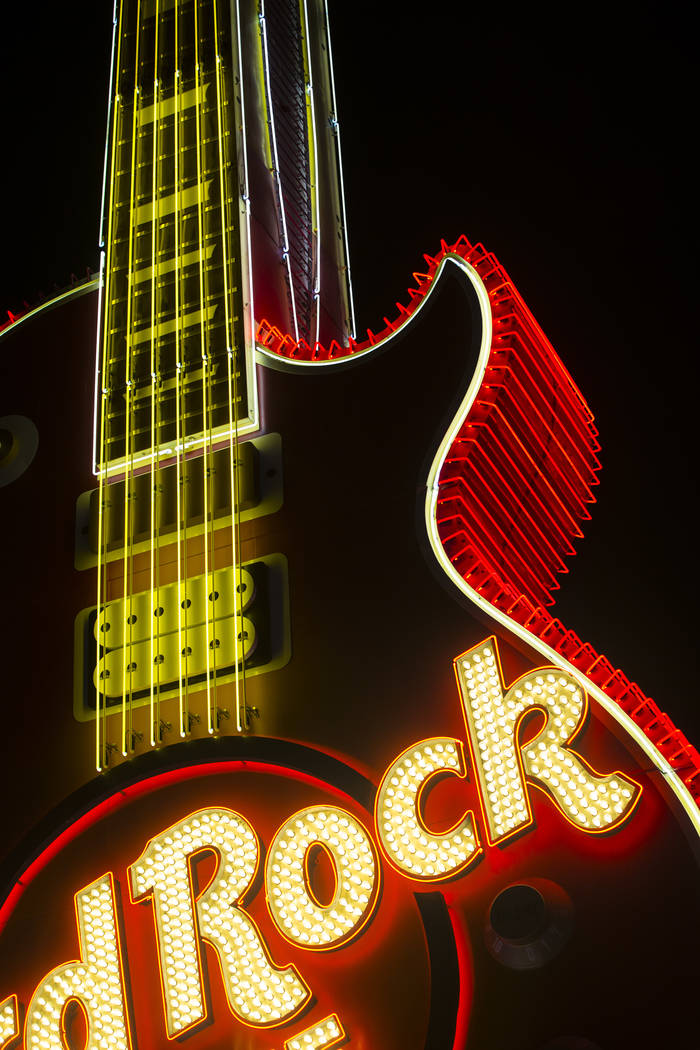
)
(560, 136)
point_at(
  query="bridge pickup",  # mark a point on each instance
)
(203, 628)
(191, 480)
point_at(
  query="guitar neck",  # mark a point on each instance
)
(173, 309)
(213, 190)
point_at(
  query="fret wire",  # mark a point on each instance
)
(128, 502)
(232, 407)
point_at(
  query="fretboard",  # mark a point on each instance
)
(173, 343)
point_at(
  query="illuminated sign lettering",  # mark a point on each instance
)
(258, 993)
(299, 916)
(95, 980)
(326, 1035)
(9, 1022)
(320, 872)
(407, 843)
(590, 801)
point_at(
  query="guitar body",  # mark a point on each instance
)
(376, 625)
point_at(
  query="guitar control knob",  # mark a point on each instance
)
(19, 441)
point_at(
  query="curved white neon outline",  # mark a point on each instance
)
(70, 293)
(430, 515)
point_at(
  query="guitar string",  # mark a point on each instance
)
(241, 702)
(127, 565)
(232, 398)
(244, 198)
(207, 452)
(184, 601)
(210, 636)
(132, 420)
(178, 362)
(155, 500)
(103, 520)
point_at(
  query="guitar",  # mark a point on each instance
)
(339, 668)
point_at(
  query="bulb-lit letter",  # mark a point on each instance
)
(325, 1035)
(590, 801)
(409, 845)
(9, 1021)
(95, 980)
(298, 915)
(258, 993)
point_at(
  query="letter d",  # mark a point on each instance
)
(95, 980)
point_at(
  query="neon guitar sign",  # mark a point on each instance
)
(294, 822)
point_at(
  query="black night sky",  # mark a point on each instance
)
(558, 135)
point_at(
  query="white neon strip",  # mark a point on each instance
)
(315, 187)
(245, 242)
(348, 271)
(551, 655)
(276, 165)
(70, 293)
(98, 342)
(219, 435)
(238, 102)
(109, 123)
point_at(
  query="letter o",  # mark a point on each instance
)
(299, 917)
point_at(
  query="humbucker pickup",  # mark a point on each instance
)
(260, 492)
(191, 478)
(144, 646)
(203, 628)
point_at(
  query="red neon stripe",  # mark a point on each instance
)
(138, 790)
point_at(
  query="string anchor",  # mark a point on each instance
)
(136, 738)
(191, 719)
(109, 749)
(222, 713)
(163, 727)
(251, 711)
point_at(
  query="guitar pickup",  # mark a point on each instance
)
(191, 479)
(259, 485)
(204, 628)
